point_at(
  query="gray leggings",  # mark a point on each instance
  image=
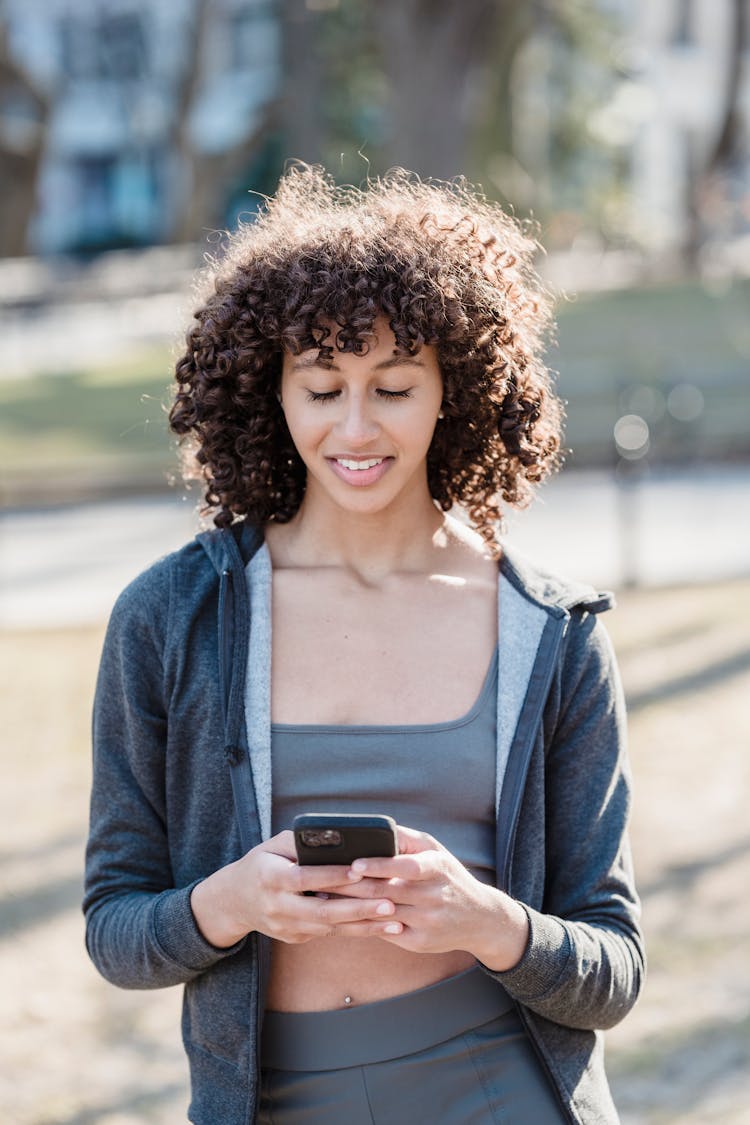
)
(455, 1053)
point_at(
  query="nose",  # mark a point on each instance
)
(357, 425)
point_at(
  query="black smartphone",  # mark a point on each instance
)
(343, 837)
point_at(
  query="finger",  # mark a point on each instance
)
(415, 932)
(402, 892)
(364, 888)
(330, 913)
(410, 841)
(365, 928)
(325, 877)
(408, 867)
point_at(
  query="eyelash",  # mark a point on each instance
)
(329, 396)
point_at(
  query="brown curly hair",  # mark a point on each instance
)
(443, 265)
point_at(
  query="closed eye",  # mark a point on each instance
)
(321, 396)
(381, 392)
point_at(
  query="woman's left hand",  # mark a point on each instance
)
(440, 906)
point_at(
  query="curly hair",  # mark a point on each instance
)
(317, 266)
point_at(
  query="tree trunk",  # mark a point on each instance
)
(205, 176)
(725, 151)
(210, 175)
(179, 140)
(433, 54)
(496, 123)
(20, 162)
(301, 105)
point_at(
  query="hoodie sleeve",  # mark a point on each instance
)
(140, 929)
(584, 962)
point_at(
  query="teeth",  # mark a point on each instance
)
(360, 464)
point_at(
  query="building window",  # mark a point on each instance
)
(253, 31)
(122, 46)
(104, 45)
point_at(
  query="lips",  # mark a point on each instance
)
(360, 471)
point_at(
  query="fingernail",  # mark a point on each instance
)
(384, 908)
(355, 876)
(392, 928)
(359, 865)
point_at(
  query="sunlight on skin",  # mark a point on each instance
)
(447, 580)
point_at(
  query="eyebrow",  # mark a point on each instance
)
(308, 361)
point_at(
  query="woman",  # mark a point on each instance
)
(362, 362)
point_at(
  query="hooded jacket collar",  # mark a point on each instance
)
(549, 590)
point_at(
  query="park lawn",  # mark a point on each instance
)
(681, 1058)
(623, 352)
(107, 423)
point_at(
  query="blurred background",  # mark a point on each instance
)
(132, 133)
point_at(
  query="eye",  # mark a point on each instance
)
(393, 394)
(321, 396)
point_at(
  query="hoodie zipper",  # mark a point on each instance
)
(226, 607)
(243, 793)
(234, 752)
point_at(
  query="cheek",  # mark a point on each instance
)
(306, 430)
(417, 431)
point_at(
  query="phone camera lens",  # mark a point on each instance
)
(322, 837)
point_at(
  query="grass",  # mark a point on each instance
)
(613, 347)
(103, 422)
(683, 1056)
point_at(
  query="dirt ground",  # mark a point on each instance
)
(75, 1050)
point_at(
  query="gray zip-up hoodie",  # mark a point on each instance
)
(182, 786)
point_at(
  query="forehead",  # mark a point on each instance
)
(312, 359)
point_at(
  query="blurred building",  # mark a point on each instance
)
(141, 96)
(688, 67)
(661, 100)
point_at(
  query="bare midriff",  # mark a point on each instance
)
(340, 972)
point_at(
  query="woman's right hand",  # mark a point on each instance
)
(265, 891)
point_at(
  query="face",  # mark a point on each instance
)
(363, 426)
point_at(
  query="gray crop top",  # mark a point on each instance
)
(437, 777)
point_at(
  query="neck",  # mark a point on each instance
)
(371, 545)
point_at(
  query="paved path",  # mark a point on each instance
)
(66, 565)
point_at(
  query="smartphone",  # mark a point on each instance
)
(343, 837)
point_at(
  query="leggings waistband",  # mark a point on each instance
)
(385, 1029)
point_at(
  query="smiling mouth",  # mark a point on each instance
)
(357, 466)
(360, 471)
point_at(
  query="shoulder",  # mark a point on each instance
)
(558, 594)
(150, 587)
(173, 584)
(586, 664)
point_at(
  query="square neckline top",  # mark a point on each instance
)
(489, 685)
